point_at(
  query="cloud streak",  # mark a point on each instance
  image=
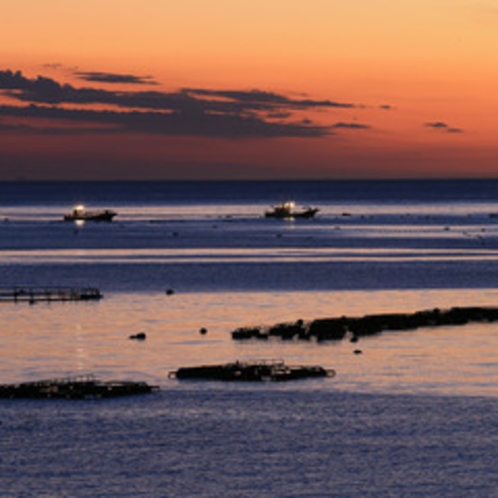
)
(188, 111)
(99, 77)
(440, 125)
(351, 126)
(208, 125)
(262, 100)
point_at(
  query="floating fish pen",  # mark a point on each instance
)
(332, 329)
(80, 387)
(251, 372)
(36, 294)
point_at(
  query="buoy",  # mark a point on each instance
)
(140, 336)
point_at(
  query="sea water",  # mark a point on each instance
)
(412, 415)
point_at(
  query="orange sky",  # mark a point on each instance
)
(248, 89)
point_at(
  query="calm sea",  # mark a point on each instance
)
(413, 415)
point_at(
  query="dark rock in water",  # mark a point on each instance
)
(251, 372)
(169, 292)
(141, 336)
(83, 387)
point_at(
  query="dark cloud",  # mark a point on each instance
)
(99, 77)
(48, 91)
(440, 125)
(189, 111)
(262, 99)
(210, 125)
(44, 90)
(436, 124)
(351, 126)
(279, 115)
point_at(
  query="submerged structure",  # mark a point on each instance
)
(259, 371)
(81, 387)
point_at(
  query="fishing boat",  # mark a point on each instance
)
(79, 213)
(251, 372)
(286, 210)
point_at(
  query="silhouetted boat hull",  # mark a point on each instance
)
(286, 210)
(79, 213)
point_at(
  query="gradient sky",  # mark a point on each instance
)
(209, 89)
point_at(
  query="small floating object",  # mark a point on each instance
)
(251, 372)
(80, 387)
(79, 213)
(203, 331)
(141, 336)
(358, 351)
(169, 292)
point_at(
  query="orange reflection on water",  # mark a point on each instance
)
(58, 339)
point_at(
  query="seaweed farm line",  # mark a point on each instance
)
(326, 329)
(34, 294)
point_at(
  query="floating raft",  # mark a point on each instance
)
(81, 387)
(251, 372)
(35, 294)
(327, 329)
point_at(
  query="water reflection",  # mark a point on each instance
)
(67, 338)
(259, 255)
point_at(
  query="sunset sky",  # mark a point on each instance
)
(242, 89)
